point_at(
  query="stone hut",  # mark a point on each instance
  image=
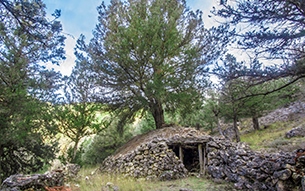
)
(167, 153)
(175, 152)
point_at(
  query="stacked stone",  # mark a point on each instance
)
(298, 174)
(152, 160)
(294, 111)
(71, 170)
(250, 170)
(234, 162)
(35, 182)
(296, 132)
(50, 179)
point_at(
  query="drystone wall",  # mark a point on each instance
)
(249, 170)
(152, 160)
(230, 161)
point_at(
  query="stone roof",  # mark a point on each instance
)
(174, 135)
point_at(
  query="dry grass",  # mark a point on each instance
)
(259, 139)
(273, 137)
(100, 182)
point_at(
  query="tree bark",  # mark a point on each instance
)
(75, 149)
(219, 127)
(255, 123)
(158, 114)
(237, 134)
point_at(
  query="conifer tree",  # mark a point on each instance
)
(146, 54)
(273, 31)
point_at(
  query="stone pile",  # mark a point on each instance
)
(250, 170)
(51, 180)
(35, 182)
(298, 131)
(71, 170)
(299, 172)
(152, 160)
(292, 112)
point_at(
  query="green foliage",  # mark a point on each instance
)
(210, 113)
(260, 104)
(144, 123)
(27, 39)
(275, 27)
(145, 55)
(274, 33)
(77, 121)
(242, 95)
(77, 115)
(104, 144)
(70, 156)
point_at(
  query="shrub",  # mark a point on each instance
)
(103, 144)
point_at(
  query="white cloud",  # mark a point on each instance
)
(205, 6)
(66, 66)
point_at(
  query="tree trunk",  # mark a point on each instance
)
(255, 123)
(219, 127)
(75, 150)
(216, 114)
(158, 114)
(237, 135)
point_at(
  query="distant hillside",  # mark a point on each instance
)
(274, 126)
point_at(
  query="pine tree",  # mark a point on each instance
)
(146, 54)
(273, 31)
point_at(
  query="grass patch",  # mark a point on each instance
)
(272, 137)
(258, 139)
(97, 182)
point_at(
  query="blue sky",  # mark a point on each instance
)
(80, 17)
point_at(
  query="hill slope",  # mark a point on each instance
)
(274, 127)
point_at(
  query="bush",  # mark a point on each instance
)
(31, 156)
(103, 144)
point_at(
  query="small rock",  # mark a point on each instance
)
(303, 183)
(185, 189)
(282, 175)
(280, 186)
(296, 132)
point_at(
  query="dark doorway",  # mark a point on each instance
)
(190, 157)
